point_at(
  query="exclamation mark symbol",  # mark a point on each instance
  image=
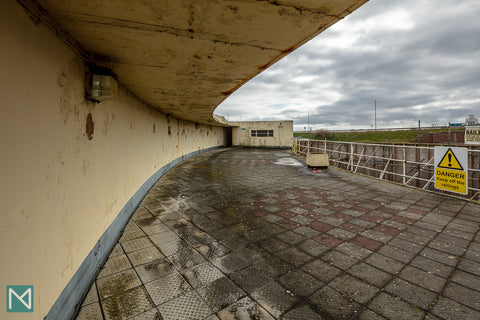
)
(449, 159)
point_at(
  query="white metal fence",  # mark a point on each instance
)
(407, 164)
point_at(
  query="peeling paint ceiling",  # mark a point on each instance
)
(184, 57)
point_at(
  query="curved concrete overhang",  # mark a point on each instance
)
(184, 57)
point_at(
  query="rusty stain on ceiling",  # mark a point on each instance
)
(184, 57)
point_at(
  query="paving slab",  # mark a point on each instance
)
(233, 234)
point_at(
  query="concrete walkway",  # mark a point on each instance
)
(247, 234)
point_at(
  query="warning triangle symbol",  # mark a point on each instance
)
(450, 161)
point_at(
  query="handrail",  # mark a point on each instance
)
(413, 164)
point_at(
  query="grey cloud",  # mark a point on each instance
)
(430, 72)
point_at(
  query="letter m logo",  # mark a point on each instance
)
(19, 298)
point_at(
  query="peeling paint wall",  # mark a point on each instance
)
(282, 133)
(68, 165)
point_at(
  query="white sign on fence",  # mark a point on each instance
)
(472, 135)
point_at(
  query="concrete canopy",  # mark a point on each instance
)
(184, 57)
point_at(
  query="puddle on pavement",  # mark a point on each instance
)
(288, 161)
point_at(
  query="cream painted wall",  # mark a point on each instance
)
(60, 190)
(282, 133)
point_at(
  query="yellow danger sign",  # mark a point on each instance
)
(451, 169)
(450, 161)
(451, 180)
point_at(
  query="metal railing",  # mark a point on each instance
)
(407, 164)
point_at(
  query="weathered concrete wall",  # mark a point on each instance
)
(282, 133)
(65, 178)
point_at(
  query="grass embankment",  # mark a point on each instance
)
(397, 136)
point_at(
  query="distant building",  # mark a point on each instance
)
(269, 134)
(471, 121)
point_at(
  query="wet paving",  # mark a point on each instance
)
(254, 234)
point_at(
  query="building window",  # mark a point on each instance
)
(262, 133)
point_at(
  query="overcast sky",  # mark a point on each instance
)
(419, 59)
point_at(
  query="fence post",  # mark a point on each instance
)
(404, 164)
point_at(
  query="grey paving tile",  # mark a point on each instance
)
(411, 293)
(149, 221)
(423, 279)
(250, 279)
(142, 213)
(186, 259)
(368, 314)
(473, 255)
(220, 293)
(230, 262)
(131, 225)
(186, 307)
(301, 313)
(155, 269)
(90, 312)
(251, 253)
(117, 251)
(396, 253)
(451, 310)
(463, 295)
(312, 248)
(341, 233)
(406, 245)
(245, 308)
(117, 283)
(306, 231)
(155, 228)
(131, 234)
(376, 235)
(353, 250)
(274, 245)
(466, 279)
(212, 250)
(440, 256)
(470, 266)
(354, 289)
(300, 283)
(370, 274)
(92, 295)
(362, 223)
(432, 266)
(339, 259)
(127, 304)
(295, 256)
(301, 219)
(173, 247)
(136, 244)
(162, 237)
(201, 274)
(144, 256)
(291, 237)
(384, 263)
(274, 265)
(335, 304)
(414, 237)
(447, 247)
(274, 298)
(167, 288)
(151, 314)
(394, 308)
(114, 265)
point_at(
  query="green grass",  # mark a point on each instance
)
(398, 136)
